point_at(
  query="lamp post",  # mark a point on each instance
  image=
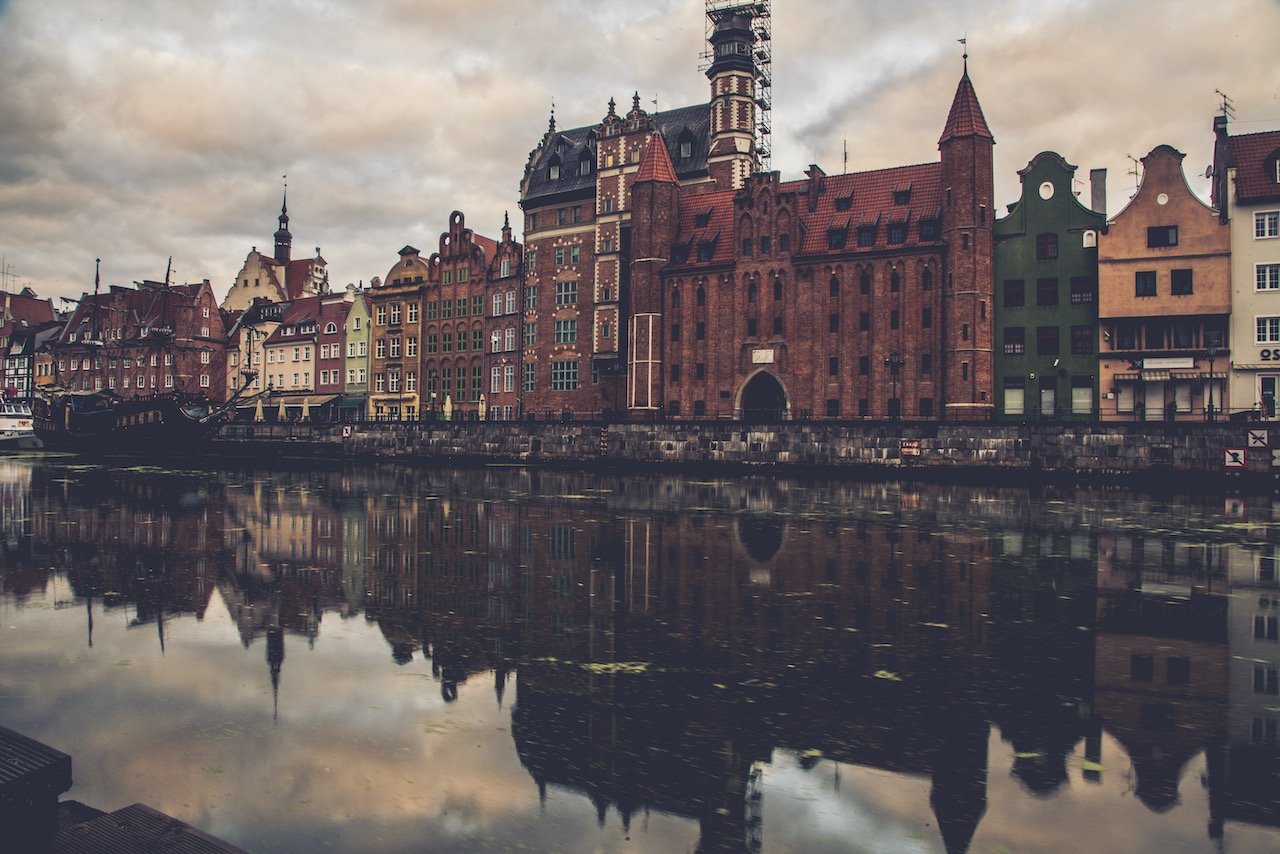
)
(1212, 352)
(893, 362)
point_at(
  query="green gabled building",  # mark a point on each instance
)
(1046, 292)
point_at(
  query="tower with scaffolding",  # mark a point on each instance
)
(725, 15)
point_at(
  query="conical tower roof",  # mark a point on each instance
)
(655, 163)
(965, 118)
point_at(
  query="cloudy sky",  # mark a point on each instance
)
(134, 131)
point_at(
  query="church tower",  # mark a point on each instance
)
(284, 240)
(654, 215)
(733, 73)
(967, 228)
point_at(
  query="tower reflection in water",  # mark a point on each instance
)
(668, 636)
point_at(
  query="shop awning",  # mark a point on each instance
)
(1155, 376)
(1125, 376)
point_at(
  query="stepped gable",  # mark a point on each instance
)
(1254, 157)
(966, 118)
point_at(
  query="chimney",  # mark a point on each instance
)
(816, 176)
(1098, 190)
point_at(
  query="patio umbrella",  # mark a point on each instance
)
(306, 409)
(448, 407)
(484, 407)
(258, 415)
(280, 415)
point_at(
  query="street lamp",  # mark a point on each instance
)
(893, 362)
(1212, 352)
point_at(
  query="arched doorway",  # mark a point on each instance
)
(763, 399)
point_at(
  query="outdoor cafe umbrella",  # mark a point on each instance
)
(257, 412)
(306, 409)
(280, 416)
(448, 407)
(484, 407)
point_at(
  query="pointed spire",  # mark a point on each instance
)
(613, 109)
(551, 123)
(635, 102)
(655, 163)
(966, 118)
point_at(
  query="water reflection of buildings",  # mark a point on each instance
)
(668, 635)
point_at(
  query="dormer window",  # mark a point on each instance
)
(705, 250)
(584, 165)
(553, 171)
(902, 197)
(837, 237)
(898, 232)
(866, 235)
(702, 220)
(844, 203)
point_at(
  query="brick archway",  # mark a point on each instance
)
(762, 398)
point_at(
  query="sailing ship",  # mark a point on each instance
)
(119, 365)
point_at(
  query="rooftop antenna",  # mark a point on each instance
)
(1135, 169)
(6, 273)
(846, 157)
(1228, 109)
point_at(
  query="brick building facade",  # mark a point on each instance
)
(667, 276)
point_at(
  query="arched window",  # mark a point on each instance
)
(675, 297)
(702, 295)
(752, 292)
(331, 328)
(895, 282)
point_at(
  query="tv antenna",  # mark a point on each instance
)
(1228, 109)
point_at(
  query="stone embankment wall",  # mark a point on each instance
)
(895, 449)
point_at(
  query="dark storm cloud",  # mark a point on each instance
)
(151, 129)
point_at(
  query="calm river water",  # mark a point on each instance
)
(394, 659)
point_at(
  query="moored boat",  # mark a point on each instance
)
(104, 421)
(17, 429)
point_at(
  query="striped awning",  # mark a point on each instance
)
(1125, 376)
(1155, 376)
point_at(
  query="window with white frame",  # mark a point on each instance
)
(566, 331)
(380, 349)
(412, 313)
(362, 349)
(394, 348)
(508, 377)
(497, 304)
(1268, 330)
(511, 302)
(411, 381)
(204, 381)
(495, 341)
(1267, 277)
(509, 336)
(379, 384)
(411, 346)
(393, 381)
(504, 269)
(495, 379)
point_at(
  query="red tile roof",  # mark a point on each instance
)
(870, 198)
(1254, 157)
(488, 244)
(655, 163)
(965, 118)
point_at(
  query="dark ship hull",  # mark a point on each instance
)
(101, 422)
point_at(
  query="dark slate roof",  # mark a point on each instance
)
(29, 768)
(571, 145)
(1254, 157)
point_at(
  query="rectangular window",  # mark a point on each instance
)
(530, 260)
(1266, 679)
(412, 313)
(675, 332)
(1015, 396)
(926, 318)
(566, 331)
(1144, 283)
(1046, 246)
(833, 323)
(395, 312)
(1046, 291)
(559, 256)
(575, 254)
(746, 246)
(1267, 277)
(836, 238)
(1180, 282)
(833, 366)
(530, 297)
(864, 366)
(509, 338)
(897, 232)
(1015, 341)
(495, 379)
(566, 293)
(1046, 340)
(497, 304)
(431, 310)
(1266, 627)
(511, 302)
(508, 377)
(1083, 289)
(394, 349)
(527, 375)
(753, 327)
(564, 375)
(1162, 236)
(1081, 340)
(864, 321)
(777, 324)
(495, 341)
(1015, 293)
(1266, 224)
(866, 235)
(1268, 330)
(530, 335)
(446, 309)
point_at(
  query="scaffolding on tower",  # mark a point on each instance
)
(761, 25)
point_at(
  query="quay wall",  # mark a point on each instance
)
(894, 449)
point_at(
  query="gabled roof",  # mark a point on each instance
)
(873, 202)
(1254, 157)
(965, 118)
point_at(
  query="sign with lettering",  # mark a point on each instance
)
(910, 447)
(1233, 458)
(1258, 439)
(1165, 363)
